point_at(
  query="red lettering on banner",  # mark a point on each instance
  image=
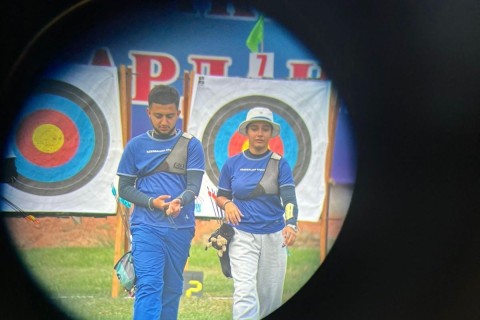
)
(149, 69)
(210, 65)
(263, 63)
(102, 57)
(299, 69)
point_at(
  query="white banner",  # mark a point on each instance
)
(67, 143)
(220, 104)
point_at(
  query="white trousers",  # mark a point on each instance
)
(259, 264)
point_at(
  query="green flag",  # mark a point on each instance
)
(256, 35)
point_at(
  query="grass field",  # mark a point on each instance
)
(79, 281)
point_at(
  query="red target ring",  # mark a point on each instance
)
(62, 140)
(239, 143)
(48, 138)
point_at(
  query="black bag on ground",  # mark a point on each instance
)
(220, 240)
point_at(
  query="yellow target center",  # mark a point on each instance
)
(48, 138)
(245, 145)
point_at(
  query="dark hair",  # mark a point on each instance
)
(163, 94)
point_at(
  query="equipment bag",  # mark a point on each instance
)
(126, 272)
(220, 240)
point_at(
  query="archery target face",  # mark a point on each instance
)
(61, 141)
(221, 138)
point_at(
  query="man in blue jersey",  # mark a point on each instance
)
(160, 172)
(257, 192)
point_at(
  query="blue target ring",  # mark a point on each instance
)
(86, 146)
(91, 129)
(223, 125)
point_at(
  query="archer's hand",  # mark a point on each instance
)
(232, 213)
(174, 208)
(159, 202)
(289, 236)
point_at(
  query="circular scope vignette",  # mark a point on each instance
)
(90, 98)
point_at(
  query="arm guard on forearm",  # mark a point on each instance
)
(194, 181)
(289, 200)
(127, 190)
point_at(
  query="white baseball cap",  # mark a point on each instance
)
(259, 114)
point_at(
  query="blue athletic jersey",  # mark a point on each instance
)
(240, 175)
(143, 154)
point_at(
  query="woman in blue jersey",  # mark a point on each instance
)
(160, 172)
(257, 192)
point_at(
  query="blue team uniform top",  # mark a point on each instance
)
(240, 175)
(143, 154)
